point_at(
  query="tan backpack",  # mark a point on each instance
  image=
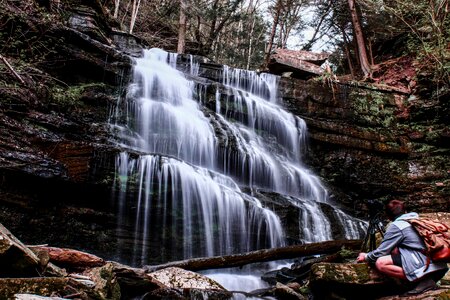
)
(436, 236)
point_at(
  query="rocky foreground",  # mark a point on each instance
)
(43, 272)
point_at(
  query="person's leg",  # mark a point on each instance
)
(386, 265)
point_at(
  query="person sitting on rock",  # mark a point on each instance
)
(400, 254)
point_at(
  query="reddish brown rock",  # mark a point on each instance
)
(70, 258)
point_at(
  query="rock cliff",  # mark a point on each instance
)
(57, 152)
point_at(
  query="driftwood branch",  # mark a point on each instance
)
(237, 260)
(11, 69)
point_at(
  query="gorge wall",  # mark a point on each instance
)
(57, 152)
(375, 142)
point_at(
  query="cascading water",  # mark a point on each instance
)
(186, 181)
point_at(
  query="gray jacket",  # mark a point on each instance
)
(402, 235)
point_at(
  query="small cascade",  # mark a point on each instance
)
(162, 114)
(270, 140)
(184, 184)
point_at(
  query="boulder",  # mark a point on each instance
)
(185, 284)
(106, 283)
(285, 292)
(69, 258)
(351, 281)
(178, 278)
(300, 64)
(178, 294)
(16, 260)
(133, 282)
(39, 286)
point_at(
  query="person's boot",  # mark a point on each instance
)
(422, 286)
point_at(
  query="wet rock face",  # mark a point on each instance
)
(55, 149)
(368, 142)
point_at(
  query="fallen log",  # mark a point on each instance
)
(237, 260)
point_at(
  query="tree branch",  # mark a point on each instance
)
(11, 69)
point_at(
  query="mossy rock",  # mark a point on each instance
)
(106, 283)
(350, 281)
(345, 273)
(40, 286)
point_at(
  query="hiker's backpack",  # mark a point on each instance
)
(436, 237)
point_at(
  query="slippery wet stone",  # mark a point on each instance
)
(182, 284)
(106, 283)
(16, 260)
(179, 278)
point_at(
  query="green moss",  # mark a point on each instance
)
(68, 97)
(422, 148)
(373, 107)
(345, 253)
(362, 272)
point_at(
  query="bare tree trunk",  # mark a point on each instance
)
(272, 33)
(182, 27)
(197, 34)
(281, 33)
(236, 260)
(347, 52)
(250, 45)
(365, 65)
(134, 13)
(355, 47)
(116, 8)
(372, 62)
(251, 12)
(125, 14)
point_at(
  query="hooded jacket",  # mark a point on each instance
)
(402, 235)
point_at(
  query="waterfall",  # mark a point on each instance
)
(191, 163)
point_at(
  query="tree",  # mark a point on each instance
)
(182, 27)
(323, 12)
(134, 13)
(222, 16)
(361, 44)
(116, 8)
(290, 20)
(426, 25)
(276, 17)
